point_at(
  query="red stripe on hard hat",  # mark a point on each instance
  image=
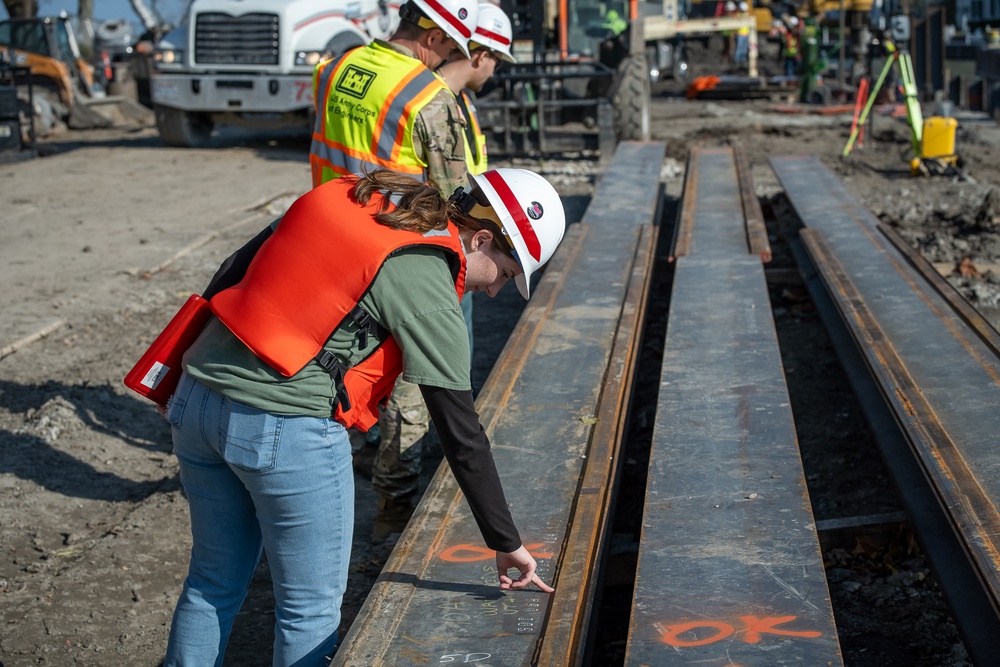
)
(492, 35)
(453, 20)
(514, 209)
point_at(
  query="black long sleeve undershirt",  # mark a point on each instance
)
(467, 449)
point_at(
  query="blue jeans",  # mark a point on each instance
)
(742, 53)
(257, 481)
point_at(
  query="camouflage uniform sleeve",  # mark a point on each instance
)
(438, 138)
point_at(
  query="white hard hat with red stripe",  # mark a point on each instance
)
(456, 17)
(493, 31)
(530, 214)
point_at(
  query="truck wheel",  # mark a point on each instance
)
(630, 97)
(182, 129)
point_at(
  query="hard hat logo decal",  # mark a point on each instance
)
(463, 13)
(535, 211)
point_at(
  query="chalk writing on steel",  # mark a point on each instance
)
(464, 657)
(471, 553)
(463, 611)
(686, 634)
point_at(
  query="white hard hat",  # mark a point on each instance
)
(456, 17)
(530, 214)
(793, 21)
(744, 7)
(493, 31)
(730, 6)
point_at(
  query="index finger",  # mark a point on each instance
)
(536, 580)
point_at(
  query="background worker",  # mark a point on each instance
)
(728, 36)
(489, 46)
(381, 106)
(742, 53)
(789, 31)
(358, 282)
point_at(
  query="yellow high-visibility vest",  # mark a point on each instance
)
(366, 103)
(475, 140)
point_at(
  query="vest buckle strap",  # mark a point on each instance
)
(367, 326)
(329, 362)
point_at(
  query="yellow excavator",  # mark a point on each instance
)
(63, 81)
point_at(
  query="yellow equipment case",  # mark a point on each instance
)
(938, 140)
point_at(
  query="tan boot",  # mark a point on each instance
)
(391, 517)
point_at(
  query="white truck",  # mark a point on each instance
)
(250, 62)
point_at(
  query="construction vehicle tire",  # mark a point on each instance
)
(630, 97)
(182, 129)
(819, 95)
(49, 112)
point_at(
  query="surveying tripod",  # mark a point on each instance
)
(913, 114)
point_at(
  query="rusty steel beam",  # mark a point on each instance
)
(571, 611)
(970, 315)
(718, 191)
(953, 479)
(685, 217)
(940, 380)
(730, 569)
(752, 213)
(557, 395)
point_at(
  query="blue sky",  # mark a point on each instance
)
(170, 10)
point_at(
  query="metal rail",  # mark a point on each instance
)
(972, 317)
(939, 379)
(555, 407)
(756, 231)
(730, 569)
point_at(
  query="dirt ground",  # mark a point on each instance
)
(104, 237)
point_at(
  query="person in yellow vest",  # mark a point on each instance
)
(742, 53)
(790, 45)
(728, 37)
(382, 106)
(488, 48)
(613, 23)
(356, 285)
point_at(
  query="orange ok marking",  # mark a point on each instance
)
(671, 635)
(755, 627)
(470, 553)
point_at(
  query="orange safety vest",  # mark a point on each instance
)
(367, 101)
(791, 45)
(306, 281)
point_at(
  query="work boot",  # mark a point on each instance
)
(391, 517)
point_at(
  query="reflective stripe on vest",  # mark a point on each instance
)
(372, 95)
(475, 140)
(296, 291)
(791, 45)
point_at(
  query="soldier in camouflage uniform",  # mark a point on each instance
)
(404, 422)
(488, 48)
(438, 145)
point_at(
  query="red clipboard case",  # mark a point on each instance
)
(157, 373)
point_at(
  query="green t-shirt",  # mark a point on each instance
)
(413, 297)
